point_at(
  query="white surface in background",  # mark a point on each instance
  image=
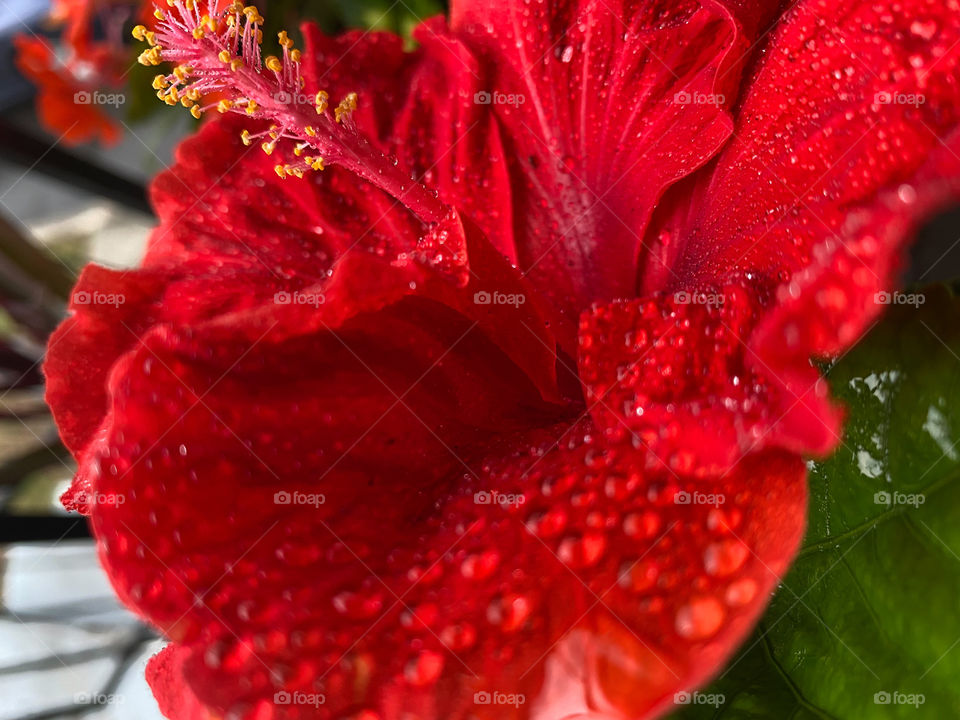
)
(65, 584)
(38, 576)
(18, 12)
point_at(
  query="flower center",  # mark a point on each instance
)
(219, 53)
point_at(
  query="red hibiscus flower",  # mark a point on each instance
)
(71, 89)
(60, 95)
(505, 413)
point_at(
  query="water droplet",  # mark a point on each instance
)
(638, 576)
(700, 618)
(925, 29)
(740, 592)
(641, 525)
(478, 567)
(424, 669)
(724, 557)
(583, 551)
(356, 606)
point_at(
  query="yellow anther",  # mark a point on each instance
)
(245, 137)
(298, 172)
(309, 130)
(317, 164)
(298, 150)
(175, 95)
(225, 56)
(224, 106)
(139, 32)
(284, 39)
(198, 33)
(280, 170)
(150, 57)
(322, 101)
(260, 35)
(186, 102)
(196, 112)
(151, 38)
(268, 147)
(236, 7)
(273, 63)
(210, 22)
(251, 107)
(191, 4)
(169, 99)
(236, 64)
(346, 106)
(172, 3)
(253, 15)
(160, 82)
(295, 55)
(180, 72)
(158, 14)
(231, 20)
(193, 94)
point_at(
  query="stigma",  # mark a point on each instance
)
(218, 55)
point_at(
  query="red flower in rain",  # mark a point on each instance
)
(504, 414)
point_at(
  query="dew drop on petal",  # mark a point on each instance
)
(741, 592)
(724, 557)
(700, 618)
(424, 669)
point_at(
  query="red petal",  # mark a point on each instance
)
(233, 236)
(677, 374)
(165, 674)
(404, 592)
(840, 117)
(600, 134)
(417, 106)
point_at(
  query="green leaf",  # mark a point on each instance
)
(872, 603)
